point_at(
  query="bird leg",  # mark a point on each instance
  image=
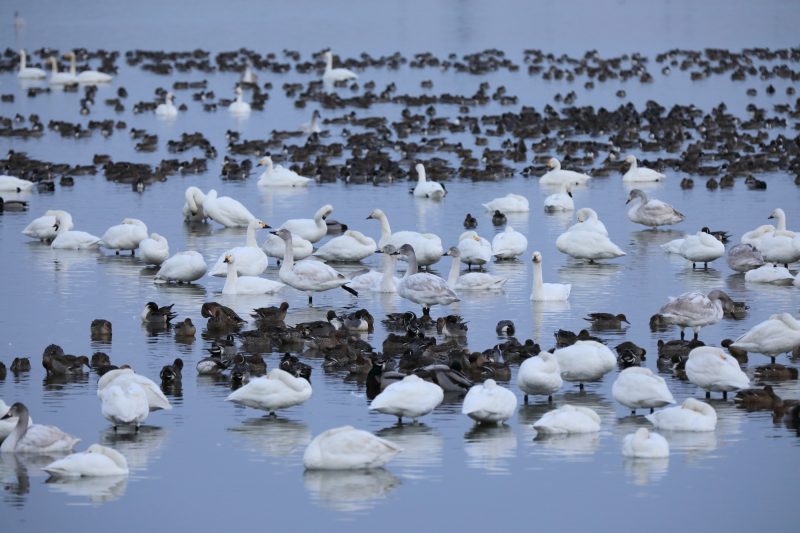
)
(633, 412)
(400, 420)
(708, 395)
(682, 333)
(652, 410)
(526, 399)
(309, 299)
(705, 266)
(580, 386)
(724, 395)
(695, 335)
(550, 399)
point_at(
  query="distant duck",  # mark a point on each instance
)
(744, 257)
(644, 444)
(498, 218)
(172, 374)
(694, 310)
(489, 402)
(651, 213)
(34, 438)
(639, 388)
(277, 390)
(250, 260)
(755, 399)
(509, 244)
(546, 292)
(411, 397)
(239, 107)
(43, 227)
(568, 419)
(226, 211)
(470, 281)
(701, 248)
(540, 375)
(238, 285)
(185, 328)
(183, 267)
(167, 109)
(125, 236)
(279, 176)
(715, 371)
(638, 174)
(601, 321)
(347, 448)
(558, 177)
(71, 239)
(510, 203)
(96, 461)
(560, 201)
(693, 415)
(154, 250)
(193, 208)
(100, 329)
(310, 229)
(427, 189)
(29, 73)
(333, 75)
(470, 222)
(772, 337)
(585, 361)
(153, 314)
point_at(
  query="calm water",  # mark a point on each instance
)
(208, 463)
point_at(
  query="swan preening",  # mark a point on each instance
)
(193, 208)
(96, 461)
(72, 240)
(509, 244)
(154, 250)
(125, 236)
(651, 212)
(226, 211)
(585, 361)
(34, 438)
(44, 227)
(183, 267)
(694, 310)
(638, 388)
(310, 229)
(692, 415)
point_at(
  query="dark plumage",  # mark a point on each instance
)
(470, 222)
(505, 327)
(606, 320)
(100, 329)
(20, 364)
(172, 373)
(498, 218)
(153, 314)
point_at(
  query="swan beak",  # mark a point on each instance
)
(274, 233)
(55, 227)
(627, 201)
(369, 217)
(570, 195)
(264, 225)
(7, 415)
(769, 217)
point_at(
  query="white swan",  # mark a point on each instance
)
(637, 173)
(780, 246)
(183, 267)
(587, 220)
(352, 246)
(313, 126)
(540, 375)
(693, 310)
(769, 274)
(651, 213)
(585, 361)
(124, 403)
(29, 73)
(13, 184)
(587, 244)
(347, 448)
(693, 415)
(673, 246)
(557, 177)
(421, 287)
(471, 281)
(712, 369)
(753, 237)
(167, 109)
(86, 77)
(427, 246)
(701, 248)
(427, 189)
(645, 445)
(43, 227)
(638, 388)
(235, 284)
(277, 390)
(124, 236)
(384, 281)
(72, 240)
(310, 229)
(744, 257)
(250, 260)
(474, 249)
(248, 76)
(510, 203)
(7, 425)
(60, 78)
(509, 244)
(239, 107)
(489, 402)
(279, 176)
(154, 250)
(333, 75)
(546, 292)
(193, 208)
(96, 461)
(560, 201)
(155, 398)
(34, 438)
(411, 397)
(568, 419)
(779, 334)
(275, 247)
(226, 211)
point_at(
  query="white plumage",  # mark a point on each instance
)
(427, 189)
(277, 390)
(250, 260)
(509, 244)
(539, 375)
(347, 448)
(352, 246)
(585, 361)
(226, 211)
(510, 203)
(568, 419)
(558, 177)
(645, 445)
(713, 370)
(546, 292)
(693, 415)
(310, 229)
(489, 402)
(280, 176)
(154, 250)
(183, 267)
(638, 388)
(96, 461)
(411, 397)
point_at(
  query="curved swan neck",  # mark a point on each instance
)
(288, 255)
(421, 177)
(19, 430)
(452, 277)
(781, 220)
(386, 230)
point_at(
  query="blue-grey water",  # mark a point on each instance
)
(209, 464)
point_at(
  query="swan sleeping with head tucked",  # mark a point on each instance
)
(638, 388)
(546, 292)
(411, 397)
(125, 236)
(43, 227)
(509, 244)
(277, 390)
(540, 374)
(644, 444)
(693, 415)
(183, 267)
(96, 461)
(568, 419)
(510, 203)
(279, 176)
(694, 310)
(154, 250)
(193, 208)
(712, 369)
(772, 337)
(489, 402)
(588, 239)
(474, 249)
(701, 248)
(347, 448)
(560, 201)
(585, 361)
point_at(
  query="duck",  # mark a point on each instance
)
(60, 78)
(712, 369)
(7, 425)
(250, 260)
(310, 229)
(348, 448)
(280, 176)
(185, 329)
(226, 211)
(474, 249)
(471, 281)
(585, 361)
(694, 310)
(540, 375)
(427, 189)
(57, 363)
(124, 403)
(421, 287)
(411, 397)
(275, 247)
(352, 246)
(153, 314)
(509, 244)
(154, 250)
(100, 329)
(546, 292)
(155, 398)
(638, 388)
(308, 275)
(34, 438)
(488, 402)
(238, 285)
(333, 75)
(277, 390)
(638, 174)
(470, 222)
(427, 246)
(183, 267)
(780, 333)
(43, 227)
(96, 461)
(28, 73)
(643, 444)
(239, 107)
(72, 240)
(172, 374)
(584, 240)
(167, 109)
(692, 415)
(701, 248)
(744, 257)
(781, 246)
(124, 236)
(86, 77)
(560, 201)
(499, 218)
(755, 399)
(448, 377)
(776, 275)
(558, 177)
(510, 203)
(568, 419)
(651, 212)
(601, 321)
(193, 208)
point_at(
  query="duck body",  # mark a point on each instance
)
(352, 246)
(183, 267)
(226, 211)
(280, 176)
(154, 250)
(639, 388)
(568, 419)
(347, 448)
(489, 402)
(125, 236)
(585, 361)
(510, 203)
(509, 244)
(42, 228)
(34, 438)
(96, 461)
(713, 370)
(310, 229)
(124, 404)
(645, 445)
(651, 212)
(539, 375)
(692, 415)
(277, 390)
(411, 397)
(557, 177)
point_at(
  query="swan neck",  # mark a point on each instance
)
(288, 255)
(421, 177)
(386, 230)
(781, 224)
(270, 166)
(72, 66)
(232, 278)
(452, 277)
(412, 264)
(538, 280)
(22, 60)
(19, 430)
(387, 280)
(328, 63)
(251, 236)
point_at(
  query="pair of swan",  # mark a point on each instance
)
(277, 390)
(67, 239)
(167, 109)
(560, 201)
(352, 246)
(427, 246)
(333, 75)
(183, 267)
(279, 176)
(640, 174)
(86, 77)
(347, 448)
(568, 419)
(239, 107)
(779, 334)
(410, 397)
(421, 287)
(26, 437)
(509, 244)
(540, 375)
(235, 284)
(425, 188)
(124, 236)
(694, 310)
(310, 229)
(488, 402)
(546, 292)
(638, 388)
(96, 461)
(154, 250)
(250, 260)
(474, 249)
(693, 415)
(588, 239)
(43, 227)
(558, 177)
(470, 281)
(645, 445)
(28, 73)
(585, 361)
(651, 212)
(713, 370)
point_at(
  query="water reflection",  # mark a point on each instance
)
(15, 472)
(692, 443)
(349, 490)
(646, 471)
(567, 446)
(422, 449)
(272, 436)
(490, 448)
(96, 489)
(139, 447)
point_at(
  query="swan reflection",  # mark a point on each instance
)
(138, 447)
(422, 448)
(97, 489)
(646, 471)
(273, 437)
(349, 490)
(490, 448)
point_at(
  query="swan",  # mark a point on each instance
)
(694, 310)
(411, 397)
(779, 334)
(780, 246)
(585, 361)
(250, 259)
(652, 213)
(279, 176)
(474, 249)
(167, 109)
(693, 415)
(124, 236)
(124, 403)
(753, 237)
(673, 246)
(332, 75)
(310, 229)
(510, 203)
(239, 107)
(352, 246)
(226, 211)
(60, 78)
(560, 201)
(312, 127)
(421, 287)
(29, 73)
(638, 388)
(584, 244)
(488, 402)
(183, 267)
(637, 173)
(427, 246)
(427, 189)
(557, 177)
(43, 227)
(275, 247)
(587, 220)
(470, 281)
(277, 390)
(13, 184)
(34, 438)
(248, 76)
(509, 244)
(385, 281)
(712, 369)
(122, 376)
(96, 461)
(193, 208)
(154, 250)
(546, 292)
(744, 257)
(86, 77)
(72, 240)
(701, 248)
(7, 425)
(308, 275)
(568, 419)
(347, 448)
(645, 445)
(769, 274)
(234, 284)
(540, 374)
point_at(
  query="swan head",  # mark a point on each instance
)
(237, 90)
(585, 214)
(284, 234)
(777, 213)
(169, 97)
(537, 257)
(18, 409)
(553, 164)
(376, 214)
(259, 224)
(228, 259)
(327, 55)
(324, 211)
(266, 160)
(453, 252)
(406, 250)
(631, 160)
(69, 55)
(636, 193)
(388, 250)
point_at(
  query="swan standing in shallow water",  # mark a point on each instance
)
(652, 213)
(72, 240)
(489, 402)
(588, 239)
(701, 248)
(239, 107)
(226, 211)
(510, 203)
(645, 445)
(279, 176)
(540, 374)
(124, 236)
(352, 246)
(96, 461)
(347, 448)
(235, 284)
(43, 227)
(637, 173)
(421, 287)
(277, 390)
(122, 376)
(470, 281)
(411, 397)
(780, 246)
(167, 109)
(568, 419)
(34, 438)
(715, 371)
(124, 403)
(560, 201)
(744, 257)
(28, 73)
(332, 75)
(693, 415)
(427, 246)
(546, 292)
(585, 361)
(509, 244)
(250, 260)
(638, 388)
(427, 189)
(154, 250)
(310, 229)
(694, 310)
(474, 249)
(557, 177)
(193, 208)
(183, 267)
(776, 335)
